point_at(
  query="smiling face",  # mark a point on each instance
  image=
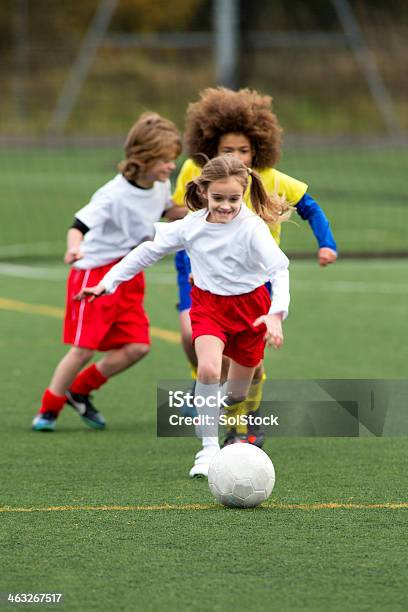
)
(224, 199)
(237, 145)
(160, 169)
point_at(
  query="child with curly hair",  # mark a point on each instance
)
(242, 124)
(233, 255)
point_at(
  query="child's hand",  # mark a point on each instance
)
(274, 333)
(326, 256)
(72, 255)
(191, 279)
(94, 292)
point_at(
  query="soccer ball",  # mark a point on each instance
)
(241, 476)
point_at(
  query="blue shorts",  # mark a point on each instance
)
(183, 267)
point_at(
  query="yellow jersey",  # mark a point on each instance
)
(273, 181)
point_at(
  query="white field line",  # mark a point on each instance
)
(350, 287)
(33, 248)
(169, 278)
(21, 271)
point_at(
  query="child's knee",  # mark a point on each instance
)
(82, 354)
(136, 351)
(208, 372)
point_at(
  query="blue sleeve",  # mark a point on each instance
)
(310, 211)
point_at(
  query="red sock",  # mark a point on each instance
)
(52, 403)
(88, 380)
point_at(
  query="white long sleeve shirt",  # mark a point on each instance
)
(226, 258)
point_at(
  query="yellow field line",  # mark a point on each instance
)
(53, 311)
(42, 309)
(270, 506)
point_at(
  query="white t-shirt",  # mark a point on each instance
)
(120, 216)
(226, 258)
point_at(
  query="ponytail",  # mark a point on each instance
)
(130, 168)
(193, 197)
(271, 208)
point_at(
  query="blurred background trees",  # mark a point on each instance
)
(39, 41)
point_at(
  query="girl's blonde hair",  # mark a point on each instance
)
(151, 138)
(271, 208)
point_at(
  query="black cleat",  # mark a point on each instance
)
(256, 435)
(83, 406)
(257, 439)
(233, 438)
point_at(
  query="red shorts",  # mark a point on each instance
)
(110, 321)
(230, 318)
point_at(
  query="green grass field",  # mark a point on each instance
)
(361, 190)
(348, 321)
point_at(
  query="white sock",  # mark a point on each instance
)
(208, 433)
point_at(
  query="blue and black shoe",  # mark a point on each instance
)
(83, 406)
(44, 421)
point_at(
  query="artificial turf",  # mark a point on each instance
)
(347, 321)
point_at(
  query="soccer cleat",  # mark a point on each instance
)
(44, 421)
(233, 438)
(202, 461)
(256, 435)
(87, 411)
(256, 439)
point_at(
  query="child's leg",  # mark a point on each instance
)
(68, 368)
(256, 433)
(114, 362)
(186, 333)
(118, 360)
(54, 396)
(96, 375)
(239, 381)
(183, 267)
(237, 387)
(209, 353)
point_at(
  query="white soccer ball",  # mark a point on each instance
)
(241, 476)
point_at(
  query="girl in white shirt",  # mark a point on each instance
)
(232, 256)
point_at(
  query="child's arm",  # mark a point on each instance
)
(264, 250)
(276, 264)
(96, 212)
(310, 211)
(175, 212)
(74, 239)
(168, 239)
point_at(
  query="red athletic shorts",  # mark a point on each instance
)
(110, 321)
(230, 318)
